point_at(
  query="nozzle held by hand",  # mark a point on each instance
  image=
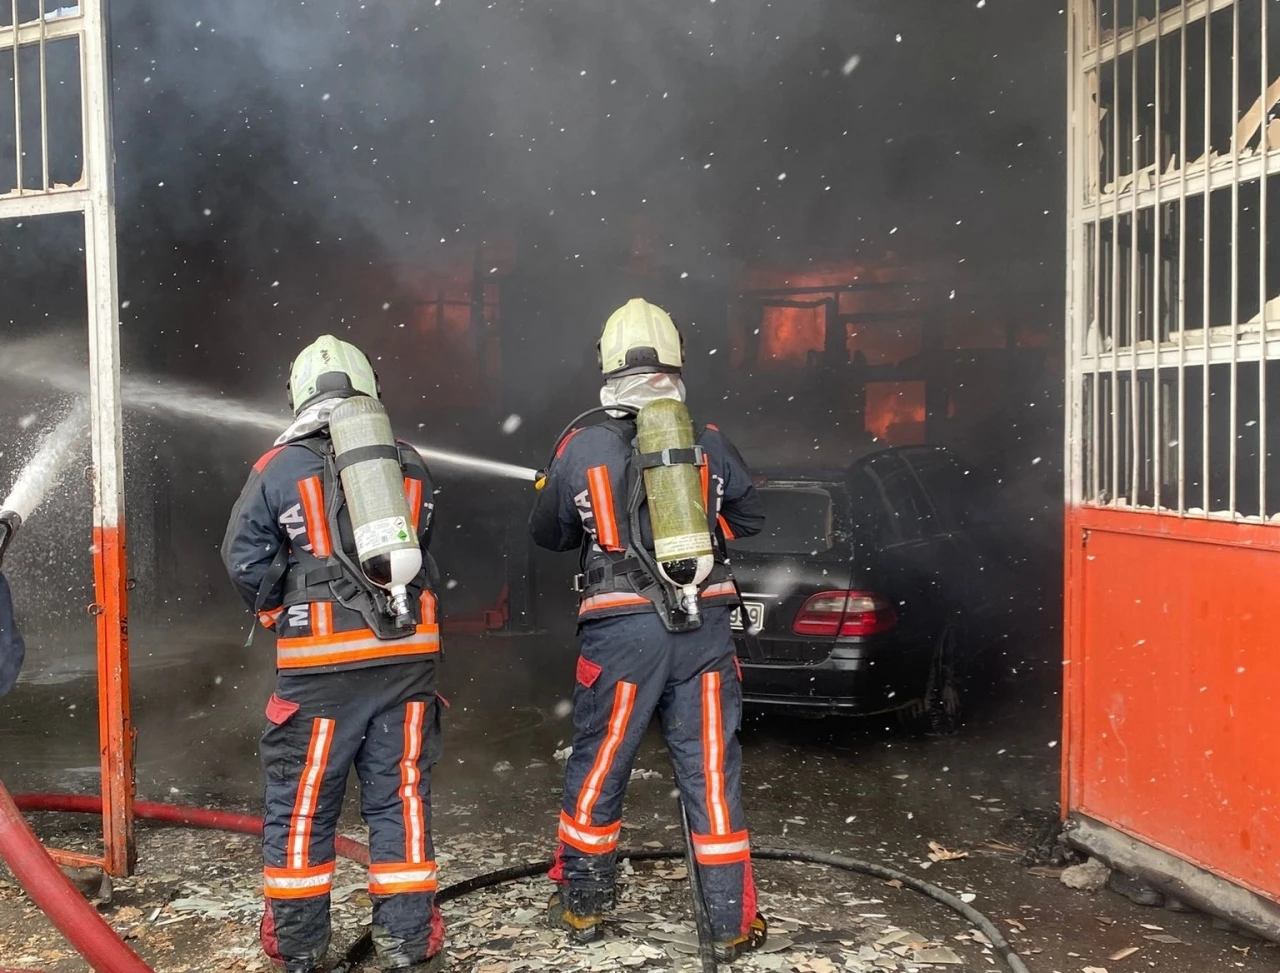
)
(10, 521)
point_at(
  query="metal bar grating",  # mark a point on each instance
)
(1174, 301)
(30, 183)
(74, 173)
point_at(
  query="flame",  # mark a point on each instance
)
(896, 412)
(789, 336)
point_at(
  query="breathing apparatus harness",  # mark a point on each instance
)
(337, 578)
(636, 570)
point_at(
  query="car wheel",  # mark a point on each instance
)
(940, 711)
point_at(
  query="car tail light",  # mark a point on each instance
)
(845, 613)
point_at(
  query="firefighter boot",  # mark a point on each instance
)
(582, 928)
(432, 964)
(734, 949)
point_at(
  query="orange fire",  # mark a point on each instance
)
(789, 336)
(896, 412)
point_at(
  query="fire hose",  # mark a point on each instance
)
(89, 933)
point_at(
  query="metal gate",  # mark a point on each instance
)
(31, 33)
(1173, 489)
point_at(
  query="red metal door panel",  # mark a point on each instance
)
(1177, 710)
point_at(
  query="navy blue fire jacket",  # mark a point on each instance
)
(283, 504)
(585, 498)
(12, 649)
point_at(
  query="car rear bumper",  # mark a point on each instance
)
(863, 677)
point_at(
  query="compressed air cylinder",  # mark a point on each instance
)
(677, 511)
(373, 485)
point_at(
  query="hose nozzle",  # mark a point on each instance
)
(539, 480)
(10, 521)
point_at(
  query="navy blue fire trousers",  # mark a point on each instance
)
(385, 721)
(630, 668)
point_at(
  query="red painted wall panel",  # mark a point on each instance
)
(1173, 687)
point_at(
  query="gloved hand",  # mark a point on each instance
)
(9, 524)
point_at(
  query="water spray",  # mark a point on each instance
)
(42, 471)
(189, 402)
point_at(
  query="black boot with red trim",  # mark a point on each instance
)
(756, 936)
(584, 922)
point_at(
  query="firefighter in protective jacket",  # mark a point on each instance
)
(351, 688)
(639, 654)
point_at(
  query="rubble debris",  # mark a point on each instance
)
(1090, 877)
(937, 853)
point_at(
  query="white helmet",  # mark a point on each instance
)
(330, 368)
(640, 337)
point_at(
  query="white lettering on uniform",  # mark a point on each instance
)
(583, 502)
(299, 615)
(294, 523)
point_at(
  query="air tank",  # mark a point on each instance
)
(677, 511)
(373, 485)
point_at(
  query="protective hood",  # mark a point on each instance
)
(311, 419)
(637, 391)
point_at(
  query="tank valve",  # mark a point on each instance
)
(10, 521)
(400, 609)
(690, 599)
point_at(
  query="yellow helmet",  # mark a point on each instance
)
(330, 368)
(640, 337)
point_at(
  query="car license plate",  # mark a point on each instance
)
(755, 613)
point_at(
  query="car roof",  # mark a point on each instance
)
(800, 474)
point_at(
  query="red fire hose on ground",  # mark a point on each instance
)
(66, 908)
(89, 933)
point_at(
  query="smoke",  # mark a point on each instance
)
(286, 170)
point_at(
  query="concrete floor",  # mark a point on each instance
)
(852, 788)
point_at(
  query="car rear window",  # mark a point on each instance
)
(798, 520)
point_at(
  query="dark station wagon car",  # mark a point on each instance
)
(873, 589)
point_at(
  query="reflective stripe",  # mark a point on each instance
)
(360, 645)
(602, 505)
(624, 698)
(322, 618)
(724, 527)
(625, 599)
(304, 807)
(413, 491)
(705, 470)
(269, 619)
(392, 878)
(313, 508)
(717, 850)
(713, 753)
(410, 777)
(297, 883)
(611, 599)
(427, 605)
(593, 841)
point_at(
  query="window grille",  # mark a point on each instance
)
(1174, 285)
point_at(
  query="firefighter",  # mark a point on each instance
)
(352, 688)
(12, 649)
(641, 653)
